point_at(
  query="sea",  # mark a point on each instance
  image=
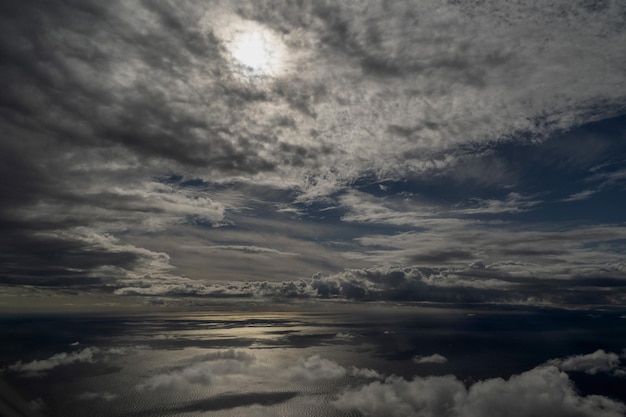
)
(290, 358)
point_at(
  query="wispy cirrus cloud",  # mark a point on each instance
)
(248, 249)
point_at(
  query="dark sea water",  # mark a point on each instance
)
(291, 359)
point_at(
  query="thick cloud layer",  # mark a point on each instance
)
(388, 135)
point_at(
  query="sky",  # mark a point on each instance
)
(456, 152)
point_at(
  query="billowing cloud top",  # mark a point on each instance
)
(170, 145)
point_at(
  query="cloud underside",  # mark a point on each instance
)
(128, 126)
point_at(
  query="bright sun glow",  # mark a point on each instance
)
(257, 51)
(253, 51)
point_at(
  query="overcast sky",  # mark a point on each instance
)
(460, 151)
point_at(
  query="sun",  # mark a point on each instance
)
(252, 50)
(257, 52)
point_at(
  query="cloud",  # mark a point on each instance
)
(435, 358)
(229, 354)
(134, 122)
(542, 391)
(414, 211)
(606, 176)
(248, 249)
(581, 195)
(221, 366)
(313, 368)
(440, 239)
(365, 373)
(204, 371)
(180, 286)
(513, 203)
(409, 283)
(592, 363)
(81, 257)
(471, 54)
(100, 395)
(260, 404)
(508, 283)
(40, 367)
(92, 354)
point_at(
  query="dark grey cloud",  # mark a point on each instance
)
(100, 395)
(110, 112)
(439, 257)
(476, 283)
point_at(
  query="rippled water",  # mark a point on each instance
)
(269, 346)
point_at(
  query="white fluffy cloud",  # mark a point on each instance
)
(592, 363)
(543, 391)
